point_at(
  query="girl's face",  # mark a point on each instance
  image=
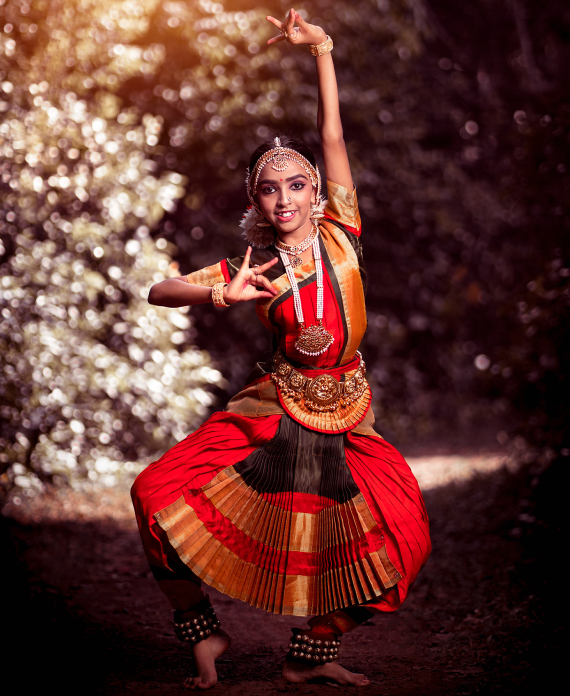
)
(285, 197)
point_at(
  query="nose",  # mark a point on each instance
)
(284, 198)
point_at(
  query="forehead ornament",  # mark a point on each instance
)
(279, 157)
(279, 161)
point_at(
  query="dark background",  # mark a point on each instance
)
(456, 118)
(125, 130)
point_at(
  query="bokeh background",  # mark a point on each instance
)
(125, 131)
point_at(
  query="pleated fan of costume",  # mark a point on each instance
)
(285, 530)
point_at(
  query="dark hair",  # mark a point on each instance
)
(286, 141)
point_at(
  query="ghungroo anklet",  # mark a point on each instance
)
(196, 624)
(313, 647)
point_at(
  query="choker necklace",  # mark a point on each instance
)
(313, 340)
(294, 251)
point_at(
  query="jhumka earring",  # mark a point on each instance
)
(318, 210)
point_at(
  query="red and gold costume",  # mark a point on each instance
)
(290, 509)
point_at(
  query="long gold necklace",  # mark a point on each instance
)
(313, 340)
(294, 251)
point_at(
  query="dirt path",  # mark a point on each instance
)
(84, 609)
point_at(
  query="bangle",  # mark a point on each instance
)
(322, 48)
(218, 295)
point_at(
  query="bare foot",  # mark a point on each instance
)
(206, 652)
(297, 673)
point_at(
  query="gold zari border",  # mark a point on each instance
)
(280, 531)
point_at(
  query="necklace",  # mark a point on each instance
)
(294, 250)
(313, 340)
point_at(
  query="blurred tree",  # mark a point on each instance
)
(91, 374)
(457, 119)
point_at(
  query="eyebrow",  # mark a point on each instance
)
(274, 181)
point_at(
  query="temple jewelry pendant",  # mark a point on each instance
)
(314, 340)
(296, 261)
(279, 162)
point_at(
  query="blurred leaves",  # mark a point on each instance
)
(126, 129)
(95, 381)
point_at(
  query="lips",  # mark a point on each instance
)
(286, 215)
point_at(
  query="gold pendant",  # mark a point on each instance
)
(296, 261)
(279, 162)
(314, 340)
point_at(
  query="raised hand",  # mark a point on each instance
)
(304, 33)
(246, 284)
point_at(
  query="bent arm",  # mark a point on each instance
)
(247, 284)
(177, 292)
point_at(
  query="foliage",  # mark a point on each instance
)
(457, 120)
(92, 375)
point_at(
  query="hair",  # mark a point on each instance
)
(286, 141)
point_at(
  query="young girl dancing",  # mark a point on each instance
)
(288, 500)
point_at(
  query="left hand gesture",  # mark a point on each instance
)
(250, 283)
(303, 34)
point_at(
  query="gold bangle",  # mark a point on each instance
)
(322, 48)
(218, 295)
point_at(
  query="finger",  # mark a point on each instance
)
(290, 21)
(245, 262)
(266, 284)
(262, 293)
(250, 279)
(266, 266)
(274, 21)
(275, 39)
(300, 21)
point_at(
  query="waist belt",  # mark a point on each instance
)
(324, 402)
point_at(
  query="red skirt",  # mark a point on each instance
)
(285, 518)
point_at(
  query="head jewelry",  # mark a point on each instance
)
(279, 156)
(257, 230)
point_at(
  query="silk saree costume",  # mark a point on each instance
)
(293, 511)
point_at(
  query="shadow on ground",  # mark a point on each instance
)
(84, 615)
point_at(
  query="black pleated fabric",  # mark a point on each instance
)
(301, 461)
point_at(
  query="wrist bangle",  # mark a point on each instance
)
(218, 295)
(322, 48)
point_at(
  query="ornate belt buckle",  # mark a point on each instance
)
(283, 369)
(350, 385)
(297, 381)
(323, 391)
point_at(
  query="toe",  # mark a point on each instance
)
(207, 684)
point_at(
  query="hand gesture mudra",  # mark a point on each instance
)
(304, 33)
(249, 283)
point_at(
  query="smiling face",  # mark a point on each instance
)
(274, 189)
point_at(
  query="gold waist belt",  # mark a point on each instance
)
(324, 402)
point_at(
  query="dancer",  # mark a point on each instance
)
(288, 500)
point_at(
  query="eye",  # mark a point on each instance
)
(298, 186)
(267, 190)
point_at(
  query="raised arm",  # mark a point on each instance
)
(337, 167)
